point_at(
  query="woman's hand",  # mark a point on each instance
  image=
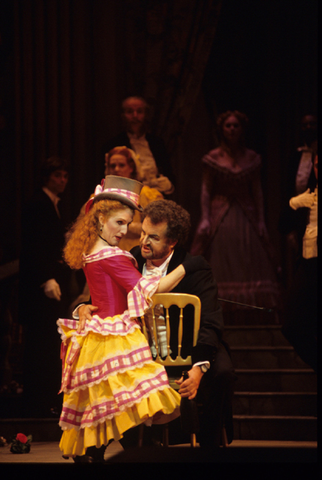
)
(189, 387)
(84, 313)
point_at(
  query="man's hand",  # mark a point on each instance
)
(164, 185)
(85, 313)
(52, 289)
(189, 387)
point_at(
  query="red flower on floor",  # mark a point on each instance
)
(21, 437)
(20, 443)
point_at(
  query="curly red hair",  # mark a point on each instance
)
(84, 232)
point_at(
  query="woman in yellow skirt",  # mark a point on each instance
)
(109, 379)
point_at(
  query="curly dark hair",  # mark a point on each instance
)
(177, 218)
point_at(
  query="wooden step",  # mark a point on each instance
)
(259, 335)
(266, 357)
(276, 392)
(256, 427)
(279, 380)
(275, 403)
(250, 317)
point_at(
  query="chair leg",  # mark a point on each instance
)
(193, 440)
(141, 433)
(166, 435)
(224, 439)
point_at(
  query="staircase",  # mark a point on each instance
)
(276, 392)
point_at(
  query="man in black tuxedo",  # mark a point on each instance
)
(43, 289)
(165, 227)
(152, 154)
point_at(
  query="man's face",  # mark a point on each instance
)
(309, 122)
(57, 181)
(154, 243)
(134, 115)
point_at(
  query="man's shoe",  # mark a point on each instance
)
(83, 459)
(97, 454)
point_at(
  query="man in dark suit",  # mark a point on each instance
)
(43, 281)
(165, 226)
(151, 150)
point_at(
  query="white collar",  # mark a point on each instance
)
(135, 137)
(149, 268)
(53, 197)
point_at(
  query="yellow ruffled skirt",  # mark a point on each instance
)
(110, 383)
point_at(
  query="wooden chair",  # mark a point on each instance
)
(167, 300)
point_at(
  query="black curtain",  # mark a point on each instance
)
(74, 61)
(67, 64)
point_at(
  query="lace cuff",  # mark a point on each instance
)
(140, 298)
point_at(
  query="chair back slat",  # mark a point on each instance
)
(168, 331)
(180, 332)
(181, 301)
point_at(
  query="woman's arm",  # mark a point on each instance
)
(171, 280)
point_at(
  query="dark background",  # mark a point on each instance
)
(66, 65)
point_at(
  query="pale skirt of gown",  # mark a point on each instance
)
(240, 263)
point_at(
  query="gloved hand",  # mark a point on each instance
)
(52, 289)
(193, 264)
(305, 199)
(164, 185)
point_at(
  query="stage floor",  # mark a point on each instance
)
(48, 452)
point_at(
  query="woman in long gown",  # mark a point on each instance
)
(232, 234)
(109, 379)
